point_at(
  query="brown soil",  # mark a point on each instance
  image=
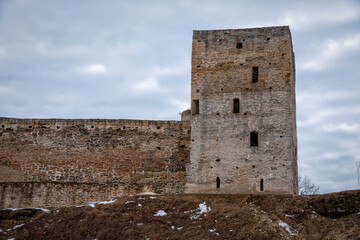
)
(328, 216)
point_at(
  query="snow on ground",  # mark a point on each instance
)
(17, 226)
(289, 215)
(146, 193)
(92, 204)
(213, 231)
(286, 227)
(160, 213)
(153, 197)
(107, 202)
(203, 208)
(15, 209)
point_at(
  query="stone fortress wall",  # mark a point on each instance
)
(56, 162)
(243, 123)
(241, 131)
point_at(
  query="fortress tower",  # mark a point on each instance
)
(243, 116)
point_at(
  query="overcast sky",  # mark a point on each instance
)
(131, 59)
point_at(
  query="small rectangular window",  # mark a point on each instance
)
(255, 74)
(236, 105)
(254, 141)
(217, 182)
(195, 107)
(261, 185)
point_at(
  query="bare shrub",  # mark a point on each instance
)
(306, 187)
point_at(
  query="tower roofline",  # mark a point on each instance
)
(284, 27)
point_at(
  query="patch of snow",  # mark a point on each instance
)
(92, 204)
(286, 227)
(289, 215)
(153, 197)
(140, 198)
(139, 205)
(203, 209)
(129, 202)
(107, 202)
(15, 209)
(140, 224)
(172, 227)
(0, 230)
(160, 213)
(213, 231)
(358, 212)
(11, 238)
(190, 211)
(17, 226)
(313, 212)
(230, 230)
(179, 228)
(146, 193)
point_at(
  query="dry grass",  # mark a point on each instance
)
(232, 217)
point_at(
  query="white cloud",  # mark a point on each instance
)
(93, 69)
(181, 105)
(331, 51)
(310, 16)
(342, 127)
(147, 85)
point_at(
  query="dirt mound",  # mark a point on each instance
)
(328, 216)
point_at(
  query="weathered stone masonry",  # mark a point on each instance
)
(57, 162)
(243, 124)
(242, 136)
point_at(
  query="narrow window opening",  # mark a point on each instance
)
(3, 126)
(255, 74)
(30, 126)
(195, 106)
(236, 105)
(239, 45)
(218, 160)
(261, 185)
(254, 141)
(157, 127)
(217, 182)
(57, 127)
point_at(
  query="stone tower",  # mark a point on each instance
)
(243, 116)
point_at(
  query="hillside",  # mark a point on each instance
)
(328, 216)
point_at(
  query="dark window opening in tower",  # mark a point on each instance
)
(255, 74)
(254, 140)
(217, 182)
(236, 105)
(195, 107)
(239, 45)
(261, 185)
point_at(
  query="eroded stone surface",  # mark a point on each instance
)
(223, 65)
(131, 155)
